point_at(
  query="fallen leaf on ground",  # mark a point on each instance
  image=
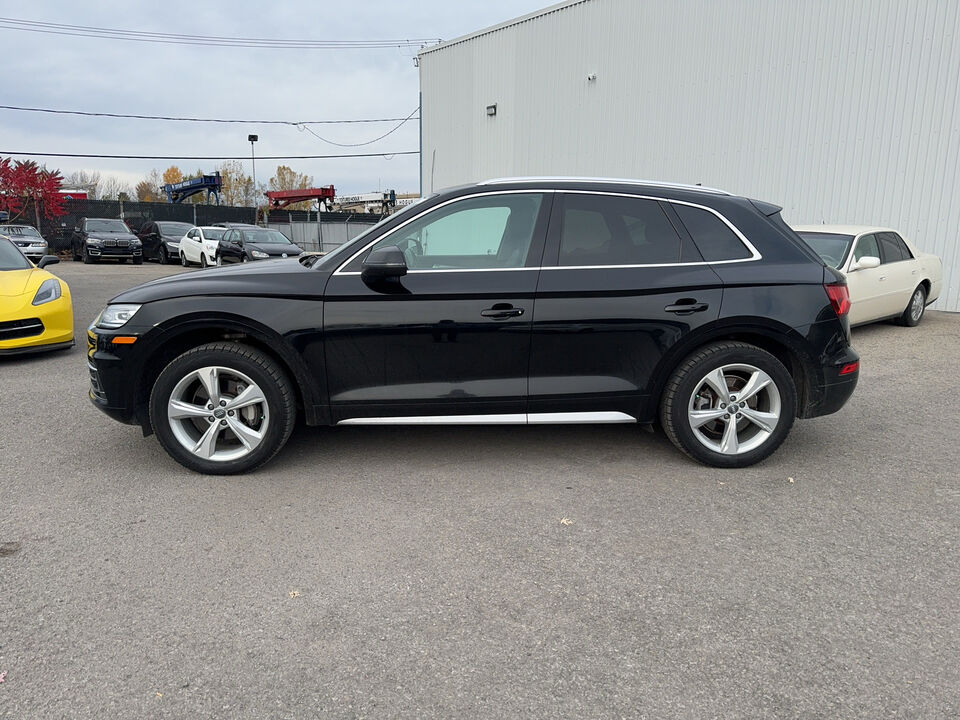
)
(566, 521)
(294, 593)
(789, 479)
(3, 676)
(159, 694)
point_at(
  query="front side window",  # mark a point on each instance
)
(867, 247)
(615, 230)
(487, 232)
(714, 238)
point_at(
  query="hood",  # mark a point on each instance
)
(275, 249)
(17, 282)
(266, 278)
(94, 235)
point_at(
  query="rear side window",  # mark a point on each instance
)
(613, 230)
(714, 238)
(894, 249)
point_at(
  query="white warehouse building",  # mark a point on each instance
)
(841, 111)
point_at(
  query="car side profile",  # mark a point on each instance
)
(96, 239)
(889, 278)
(524, 301)
(200, 245)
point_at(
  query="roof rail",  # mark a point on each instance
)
(619, 181)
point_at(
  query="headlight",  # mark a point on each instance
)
(114, 316)
(48, 291)
(259, 254)
(135, 243)
(94, 242)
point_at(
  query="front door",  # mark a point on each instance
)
(869, 289)
(452, 336)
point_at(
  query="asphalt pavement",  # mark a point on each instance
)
(373, 572)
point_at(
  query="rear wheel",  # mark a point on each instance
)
(74, 253)
(729, 405)
(223, 408)
(913, 313)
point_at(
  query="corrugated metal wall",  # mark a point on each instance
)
(842, 111)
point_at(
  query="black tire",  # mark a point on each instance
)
(263, 370)
(138, 260)
(162, 255)
(203, 261)
(219, 260)
(913, 314)
(244, 258)
(86, 257)
(183, 260)
(679, 397)
(121, 260)
(74, 253)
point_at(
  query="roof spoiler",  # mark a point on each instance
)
(766, 208)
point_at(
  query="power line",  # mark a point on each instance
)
(207, 40)
(360, 144)
(202, 120)
(387, 155)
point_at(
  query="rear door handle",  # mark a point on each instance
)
(686, 306)
(501, 311)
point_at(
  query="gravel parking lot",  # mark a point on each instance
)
(483, 572)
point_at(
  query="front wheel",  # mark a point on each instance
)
(203, 261)
(162, 256)
(729, 405)
(223, 408)
(244, 258)
(913, 313)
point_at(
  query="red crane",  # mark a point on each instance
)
(283, 198)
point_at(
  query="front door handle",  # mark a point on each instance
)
(686, 306)
(501, 311)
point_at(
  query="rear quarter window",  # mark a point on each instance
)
(712, 236)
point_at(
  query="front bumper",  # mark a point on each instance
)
(108, 366)
(114, 252)
(45, 327)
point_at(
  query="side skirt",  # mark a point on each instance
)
(508, 419)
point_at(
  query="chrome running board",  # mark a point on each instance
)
(508, 419)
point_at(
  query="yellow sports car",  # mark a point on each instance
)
(36, 312)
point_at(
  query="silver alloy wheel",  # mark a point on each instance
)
(218, 413)
(734, 409)
(916, 304)
(219, 261)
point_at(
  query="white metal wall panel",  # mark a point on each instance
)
(842, 111)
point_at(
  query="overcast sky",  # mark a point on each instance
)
(77, 73)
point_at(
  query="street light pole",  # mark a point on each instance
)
(253, 161)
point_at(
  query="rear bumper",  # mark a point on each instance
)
(832, 392)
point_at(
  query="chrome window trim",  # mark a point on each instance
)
(754, 253)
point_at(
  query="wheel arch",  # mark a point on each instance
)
(779, 340)
(185, 334)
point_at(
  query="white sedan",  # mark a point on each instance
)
(200, 246)
(887, 276)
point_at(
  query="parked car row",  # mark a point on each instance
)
(95, 239)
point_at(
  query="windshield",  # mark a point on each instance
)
(831, 247)
(213, 233)
(265, 237)
(110, 226)
(11, 258)
(19, 230)
(174, 228)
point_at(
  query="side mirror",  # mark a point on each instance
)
(385, 262)
(48, 260)
(866, 262)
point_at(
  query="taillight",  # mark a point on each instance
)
(839, 297)
(850, 368)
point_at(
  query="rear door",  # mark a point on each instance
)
(901, 270)
(622, 282)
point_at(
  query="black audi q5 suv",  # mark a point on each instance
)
(533, 300)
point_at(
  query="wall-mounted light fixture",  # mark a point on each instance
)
(492, 110)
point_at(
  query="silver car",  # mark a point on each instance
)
(27, 238)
